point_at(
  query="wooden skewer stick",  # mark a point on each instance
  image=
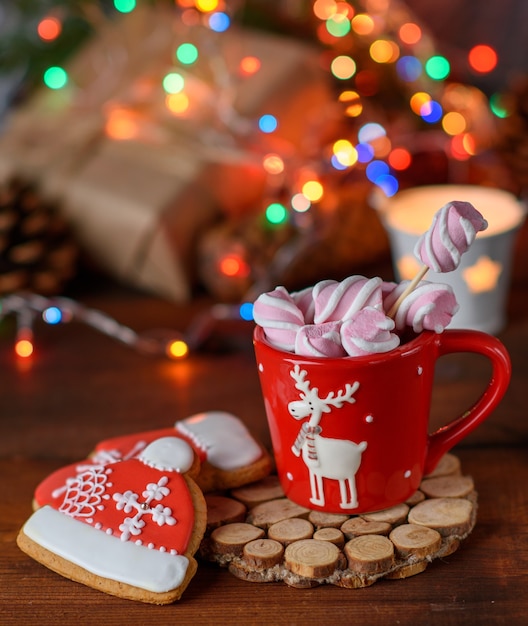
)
(410, 287)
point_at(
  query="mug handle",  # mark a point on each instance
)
(450, 341)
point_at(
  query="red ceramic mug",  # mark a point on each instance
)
(350, 435)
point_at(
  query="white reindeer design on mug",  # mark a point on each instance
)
(334, 459)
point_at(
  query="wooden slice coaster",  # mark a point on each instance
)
(333, 535)
(447, 486)
(268, 513)
(222, 510)
(263, 553)
(448, 465)
(231, 538)
(327, 520)
(370, 554)
(395, 515)
(277, 540)
(414, 540)
(449, 516)
(289, 530)
(311, 558)
(358, 526)
(405, 571)
(268, 488)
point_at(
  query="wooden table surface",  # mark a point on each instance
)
(81, 387)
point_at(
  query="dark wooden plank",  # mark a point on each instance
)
(484, 578)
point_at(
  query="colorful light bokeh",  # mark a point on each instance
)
(177, 349)
(187, 53)
(49, 28)
(276, 213)
(268, 123)
(55, 77)
(482, 59)
(124, 6)
(24, 348)
(250, 65)
(234, 265)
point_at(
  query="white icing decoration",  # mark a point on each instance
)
(104, 555)
(407, 474)
(129, 501)
(289, 476)
(84, 493)
(369, 419)
(261, 367)
(420, 370)
(168, 454)
(223, 437)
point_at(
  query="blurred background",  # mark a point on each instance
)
(222, 147)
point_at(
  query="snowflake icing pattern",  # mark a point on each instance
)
(129, 501)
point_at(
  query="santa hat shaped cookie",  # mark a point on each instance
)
(128, 528)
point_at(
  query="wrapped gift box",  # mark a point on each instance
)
(139, 205)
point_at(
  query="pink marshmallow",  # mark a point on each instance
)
(338, 301)
(320, 340)
(453, 230)
(368, 332)
(304, 300)
(430, 306)
(279, 316)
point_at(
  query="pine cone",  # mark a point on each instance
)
(37, 252)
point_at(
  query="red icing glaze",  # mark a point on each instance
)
(51, 489)
(133, 502)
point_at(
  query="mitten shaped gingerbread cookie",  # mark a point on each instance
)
(128, 528)
(229, 455)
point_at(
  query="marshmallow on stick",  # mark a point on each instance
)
(440, 248)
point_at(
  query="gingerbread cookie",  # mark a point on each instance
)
(129, 528)
(230, 457)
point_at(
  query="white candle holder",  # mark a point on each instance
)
(481, 281)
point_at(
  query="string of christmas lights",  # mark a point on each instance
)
(391, 88)
(28, 308)
(360, 40)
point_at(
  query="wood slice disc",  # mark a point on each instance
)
(357, 526)
(310, 558)
(327, 520)
(406, 571)
(448, 465)
(221, 510)
(268, 513)
(299, 582)
(268, 488)
(447, 486)
(450, 545)
(263, 553)
(395, 515)
(418, 496)
(449, 516)
(231, 538)
(370, 554)
(352, 580)
(289, 530)
(418, 541)
(250, 574)
(333, 535)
